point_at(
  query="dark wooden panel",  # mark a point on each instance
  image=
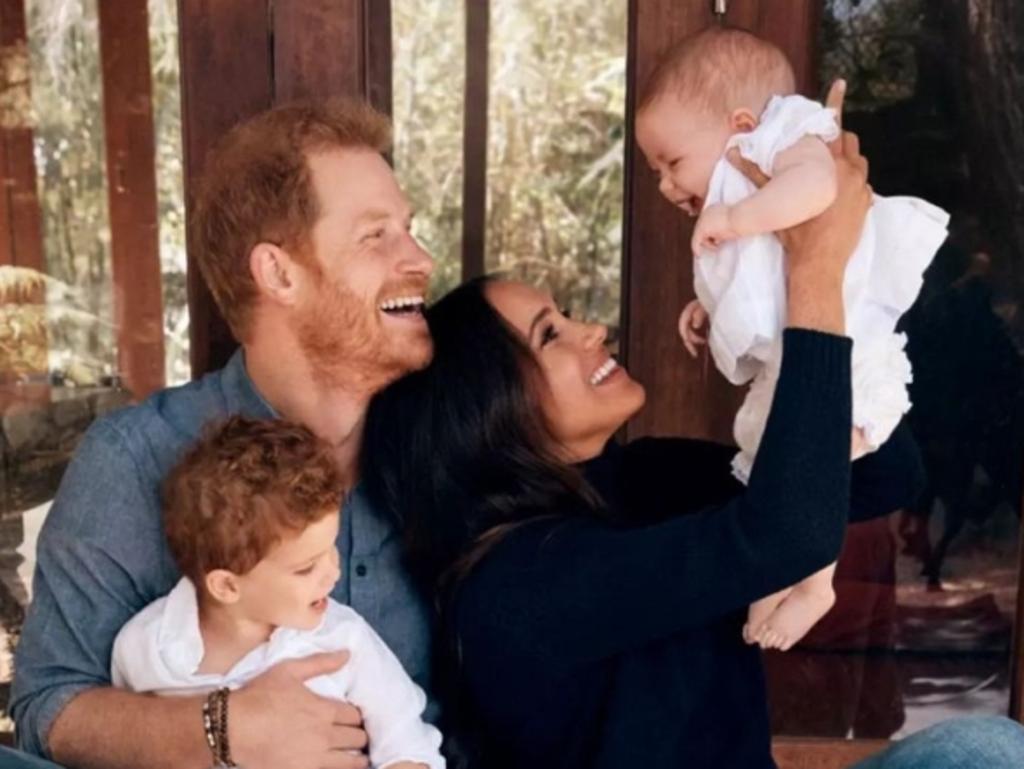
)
(474, 140)
(823, 754)
(318, 49)
(225, 76)
(21, 238)
(377, 16)
(685, 396)
(792, 25)
(1017, 647)
(131, 187)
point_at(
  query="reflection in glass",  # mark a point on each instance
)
(922, 626)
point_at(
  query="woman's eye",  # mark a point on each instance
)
(674, 162)
(548, 335)
(566, 313)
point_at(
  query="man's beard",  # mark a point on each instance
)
(347, 346)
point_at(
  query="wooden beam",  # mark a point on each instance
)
(474, 140)
(131, 188)
(226, 75)
(792, 25)
(21, 233)
(823, 754)
(318, 49)
(1017, 644)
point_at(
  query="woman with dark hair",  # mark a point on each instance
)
(592, 596)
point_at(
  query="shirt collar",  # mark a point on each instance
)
(240, 391)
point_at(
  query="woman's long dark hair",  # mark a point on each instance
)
(458, 455)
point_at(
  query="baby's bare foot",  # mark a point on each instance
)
(794, 617)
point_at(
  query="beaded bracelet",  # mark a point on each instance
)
(215, 726)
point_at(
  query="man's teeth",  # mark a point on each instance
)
(602, 373)
(402, 303)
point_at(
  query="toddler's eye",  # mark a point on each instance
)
(305, 571)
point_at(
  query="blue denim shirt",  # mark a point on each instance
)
(102, 555)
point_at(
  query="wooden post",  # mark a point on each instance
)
(239, 57)
(21, 234)
(474, 140)
(131, 188)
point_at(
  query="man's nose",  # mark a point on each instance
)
(415, 259)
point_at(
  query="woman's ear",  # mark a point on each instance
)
(742, 121)
(275, 272)
(222, 585)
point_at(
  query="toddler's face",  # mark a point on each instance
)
(290, 586)
(682, 144)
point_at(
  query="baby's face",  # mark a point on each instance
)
(682, 144)
(290, 586)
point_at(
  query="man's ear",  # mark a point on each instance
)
(275, 272)
(223, 586)
(742, 121)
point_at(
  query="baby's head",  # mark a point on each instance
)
(251, 515)
(705, 88)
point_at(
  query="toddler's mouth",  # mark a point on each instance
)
(320, 604)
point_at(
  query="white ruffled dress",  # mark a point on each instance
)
(742, 287)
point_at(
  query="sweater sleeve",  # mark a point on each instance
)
(575, 591)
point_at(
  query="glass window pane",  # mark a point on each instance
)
(926, 597)
(555, 149)
(58, 372)
(429, 51)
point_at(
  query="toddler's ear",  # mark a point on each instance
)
(742, 121)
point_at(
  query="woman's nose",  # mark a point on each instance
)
(595, 335)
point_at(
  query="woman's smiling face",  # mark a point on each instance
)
(587, 396)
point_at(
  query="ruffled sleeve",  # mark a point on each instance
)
(785, 121)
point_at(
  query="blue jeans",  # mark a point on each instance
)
(979, 742)
(976, 742)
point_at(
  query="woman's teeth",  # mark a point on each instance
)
(602, 373)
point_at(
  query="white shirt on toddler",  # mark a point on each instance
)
(742, 286)
(159, 650)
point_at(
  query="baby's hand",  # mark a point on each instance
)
(713, 228)
(691, 321)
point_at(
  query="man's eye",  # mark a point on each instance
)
(375, 235)
(566, 313)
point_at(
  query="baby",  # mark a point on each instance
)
(724, 89)
(251, 514)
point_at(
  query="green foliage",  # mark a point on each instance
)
(555, 141)
(67, 95)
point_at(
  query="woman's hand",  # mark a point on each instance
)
(817, 250)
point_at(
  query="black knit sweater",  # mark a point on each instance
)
(585, 644)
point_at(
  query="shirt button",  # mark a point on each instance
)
(361, 570)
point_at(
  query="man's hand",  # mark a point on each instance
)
(275, 722)
(713, 228)
(691, 322)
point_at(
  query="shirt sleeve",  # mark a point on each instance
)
(391, 704)
(96, 560)
(577, 591)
